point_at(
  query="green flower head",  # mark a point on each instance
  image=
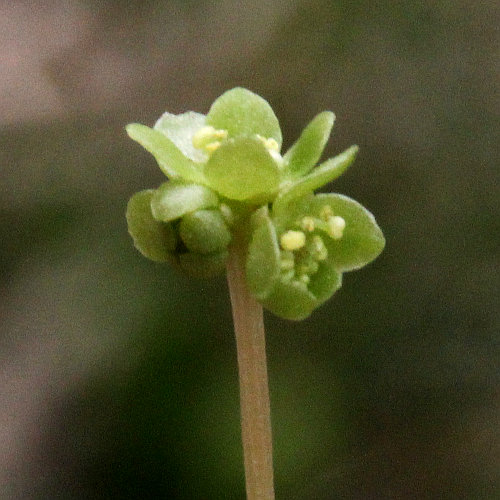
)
(225, 173)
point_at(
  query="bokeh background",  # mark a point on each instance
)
(118, 377)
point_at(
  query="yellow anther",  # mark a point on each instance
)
(292, 240)
(307, 224)
(336, 226)
(212, 146)
(203, 136)
(220, 134)
(326, 212)
(272, 144)
(207, 136)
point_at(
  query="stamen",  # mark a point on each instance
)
(326, 212)
(336, 226)
(212, 146)
(309, 267)
(307, 224)
(292, 240)
(318, 249)
(287, 261)
(206, 136)
(272, 144)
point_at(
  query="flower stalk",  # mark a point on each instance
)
(252, 367)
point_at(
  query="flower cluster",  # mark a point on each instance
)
(226, 172)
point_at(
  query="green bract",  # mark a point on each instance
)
(226, 176)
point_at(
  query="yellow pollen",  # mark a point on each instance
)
(292, 240)
(336, 226)
(206, 136)
(212, 146)
(272, 144)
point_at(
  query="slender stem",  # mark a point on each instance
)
(248, 321)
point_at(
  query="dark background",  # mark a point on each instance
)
(118, 378)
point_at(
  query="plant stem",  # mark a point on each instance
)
(248, 321)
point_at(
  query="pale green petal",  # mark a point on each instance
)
(243, 168)
(170, 158)
(204, 231)
(263, 261)
(291, 300)
(175, 198)
(155, 240)
(180, 130)
(242, 112)
(306, 152)
(326, 172)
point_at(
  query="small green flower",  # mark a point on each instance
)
(227, 166)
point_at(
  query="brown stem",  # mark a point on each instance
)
(254, 393)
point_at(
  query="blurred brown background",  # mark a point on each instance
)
(118, 377)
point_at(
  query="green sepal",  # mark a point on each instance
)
(204, 231)
(307, 150)
(203, 266)
(324, 173)
(242, 112)
(291, 300)
(169, 157)
(155, 240)
(325, 282)
(362, 239)
(243, 168)
(176, 198)
(263, 260)
(180, 130)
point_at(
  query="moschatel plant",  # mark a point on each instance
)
(233, 202)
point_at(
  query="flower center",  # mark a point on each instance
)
(208, 138)
(303, 250)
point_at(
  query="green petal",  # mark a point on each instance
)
(180, 130)
(176, 198)
(203, 266)
(243, 168)
(155, 240)
(242, 112)
(362, 239)
(263, 261)
(170, 158)
(204, 231)
(306, 152)
(291, 300)
(326, 172)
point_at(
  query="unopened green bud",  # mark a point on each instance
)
(204, 231)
